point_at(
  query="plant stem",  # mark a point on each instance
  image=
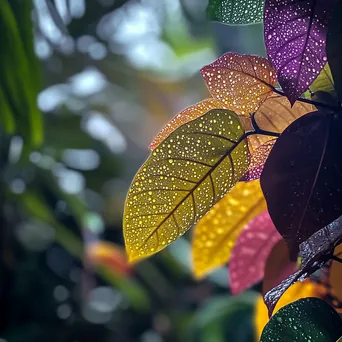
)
(312, 102)
(258, 130)
(336, 258)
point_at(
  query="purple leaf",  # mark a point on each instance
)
(302, 177)
(295, 37)
(316, 251)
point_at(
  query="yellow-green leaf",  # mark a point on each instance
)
(194, 167)
(186, 115)
(217, 232)
(324, 81)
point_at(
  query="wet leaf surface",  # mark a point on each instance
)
(216, 233)
(307, 319)
(241, 82)
(236, 11)
(185, 116)
(249, 255)
(258, 159)
(302, 177)
(193, 168)
(295, 36)
(315, 252)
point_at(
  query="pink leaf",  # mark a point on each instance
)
(251, 251)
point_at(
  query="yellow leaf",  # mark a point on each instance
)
(183, 178)
(217, 232)
(275, 115)
(185, 116)
(241, 82)
(298, 290)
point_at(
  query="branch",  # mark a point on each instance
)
(312, 102)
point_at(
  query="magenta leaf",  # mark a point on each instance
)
(315, 252)
(295, 37)
(302, 177)
(258, 160)
(249, 255)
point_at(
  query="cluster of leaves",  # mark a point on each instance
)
(256, 168)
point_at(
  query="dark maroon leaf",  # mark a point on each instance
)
(334, 48)
(315, 252)
(249, 255)
(278, 266)
(302, 177)
(295, 35)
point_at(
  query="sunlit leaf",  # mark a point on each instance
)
(274, 115)
(315, 252)
(185, 116)
(249, 255)
(334, 52)
(278, 266)
(184, 177)
(258, 160)
(295, 35)
(301, 180)
(217, 232)
(241, 82)
(324, 81)
(236, 11)
(336, 273)
(307, 319)
(110, 255)
(295, 292)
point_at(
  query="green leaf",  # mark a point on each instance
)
(192, 169)
(236, 11)
(307, 319)
(19, 72)
(334, 50)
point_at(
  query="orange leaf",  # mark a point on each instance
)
(241, 82)
(110, 255)
(274, 115)
(185, 116)
(298, 290)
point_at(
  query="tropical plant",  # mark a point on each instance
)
(256, 168)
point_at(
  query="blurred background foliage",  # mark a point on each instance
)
(84, 87)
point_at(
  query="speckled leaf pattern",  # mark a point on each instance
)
(249, 255)
(315, 252)
(334, 50)
(295, 37)
(258, 160)
(241, 82)
(236, 11)
(216, 233)
(185, 116)
(297, 291)
(307, 319)
(274, 115)
(302, 179)
(184, 177)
